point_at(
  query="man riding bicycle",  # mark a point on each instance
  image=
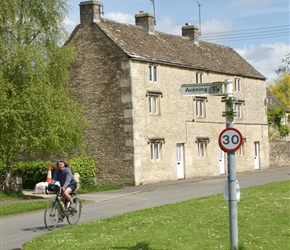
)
(68, 183)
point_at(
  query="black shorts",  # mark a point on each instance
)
(73, 186)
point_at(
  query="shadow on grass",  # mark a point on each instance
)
(138, 246)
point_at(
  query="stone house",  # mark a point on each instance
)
(142, 129)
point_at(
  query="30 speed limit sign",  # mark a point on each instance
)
(230, 139)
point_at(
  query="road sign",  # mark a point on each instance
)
(230, 139)
(201, 89)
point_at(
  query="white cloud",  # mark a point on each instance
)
(120, 17)
(166, 25)
(266, 58)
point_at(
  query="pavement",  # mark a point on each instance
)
(113, 194)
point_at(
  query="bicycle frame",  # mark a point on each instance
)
(54, 213)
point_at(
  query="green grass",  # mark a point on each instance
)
(29, 203)
(263, 221)
(15, 208)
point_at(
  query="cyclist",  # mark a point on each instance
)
(68, 183)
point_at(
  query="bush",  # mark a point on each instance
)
(85, 166)
(32, 172)
(35, 172)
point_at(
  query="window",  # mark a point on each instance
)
(241, 151)
(202, 146)
(154, 102)
(237, 85)
(153, 74)
(199, 77)
(156, 148)
(238, 107)
(200, 106)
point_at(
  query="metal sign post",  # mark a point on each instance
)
(229, 140)
(233, 215)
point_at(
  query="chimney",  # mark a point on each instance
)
(146, 21)
(90, 12)
(190, 31)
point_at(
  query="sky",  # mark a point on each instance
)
(257, 29)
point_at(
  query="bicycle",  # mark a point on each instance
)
(55, 212)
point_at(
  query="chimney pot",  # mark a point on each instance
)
(90, 12)
(191, 31)
(146, 21)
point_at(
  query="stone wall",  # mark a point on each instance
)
(279, 153)
(100, 81)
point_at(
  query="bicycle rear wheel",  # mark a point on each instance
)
(51, 215)
(74, 215)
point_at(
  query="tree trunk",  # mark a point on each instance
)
(8, 174)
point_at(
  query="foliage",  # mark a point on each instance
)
(85, 166)
(37, 114)
(32, 172)
(285, 67)
(275, 116)
(281, 88)
(284, 130)
(203, 223)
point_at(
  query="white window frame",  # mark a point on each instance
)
(199, 77)
(153, 104)
(153, 73)
(200, 106)
(156, 148)
(238, 85)
(201, 149)
(154, 97)
(238, 107)
(241, 150)
(202, 143)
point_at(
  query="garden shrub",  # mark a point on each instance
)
(85, 167)
(35, 172)
(32, 172)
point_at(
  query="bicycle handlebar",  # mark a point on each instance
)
(57, 189)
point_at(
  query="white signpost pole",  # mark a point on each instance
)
(233, 215)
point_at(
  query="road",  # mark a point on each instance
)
(21, 228)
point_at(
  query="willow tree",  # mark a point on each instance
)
(38, 117)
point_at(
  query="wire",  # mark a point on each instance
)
(249, 34)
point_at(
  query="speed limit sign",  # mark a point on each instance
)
(230, 139)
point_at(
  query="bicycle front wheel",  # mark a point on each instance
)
(74, 214)
(51, 215)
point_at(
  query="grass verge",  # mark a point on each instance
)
(263, 220)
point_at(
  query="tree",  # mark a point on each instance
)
(281, 86)
(38, 117)
(285, 67)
